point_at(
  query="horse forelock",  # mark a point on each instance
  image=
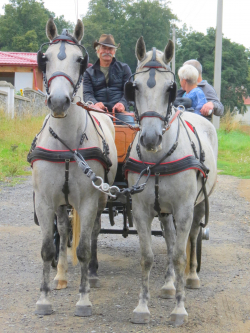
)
(159, 58)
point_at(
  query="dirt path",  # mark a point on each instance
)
(221, 305)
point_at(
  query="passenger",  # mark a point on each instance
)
(213, 102)
(103, 83)
(189, 78)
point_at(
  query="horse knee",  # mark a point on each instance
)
(48, 250)
(83, 254)
(147, 261)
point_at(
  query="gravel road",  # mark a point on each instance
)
(221, 305)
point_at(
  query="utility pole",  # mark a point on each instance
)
(173, 59)
(218, 57)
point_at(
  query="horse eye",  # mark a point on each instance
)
(79, 59)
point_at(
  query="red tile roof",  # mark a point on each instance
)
(247, 100)
(18, 59)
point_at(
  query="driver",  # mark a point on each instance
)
(103, 82)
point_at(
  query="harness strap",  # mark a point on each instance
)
(65, 188)
(165, 169)
(59, 156)
(157, 207)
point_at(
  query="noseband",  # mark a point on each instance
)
(129, 90)
(42, 59)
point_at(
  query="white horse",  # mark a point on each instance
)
(165, 137)
(55, 184)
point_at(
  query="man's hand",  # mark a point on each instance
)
(118, 107)
(100, 105)
(206, 108)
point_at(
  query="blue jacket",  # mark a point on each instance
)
(198, 99)
(96, 89)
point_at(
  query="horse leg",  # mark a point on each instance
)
(45, 217)
(60, 280)
(183, 220)
(93, 265)
(193, 280)
(168, 289)
(87, 213)
(141, 314)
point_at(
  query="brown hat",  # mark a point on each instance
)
(107, 40)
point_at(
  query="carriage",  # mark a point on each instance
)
(180, 200)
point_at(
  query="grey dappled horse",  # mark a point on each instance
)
(177, 192)
(62, 63)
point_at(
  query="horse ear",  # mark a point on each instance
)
(51, 30)
(168, 52)
(79, 30)
(140, 49)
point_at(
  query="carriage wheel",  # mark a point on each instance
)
(198, 250)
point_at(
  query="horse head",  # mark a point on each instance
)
(63, 66)
(153, 90)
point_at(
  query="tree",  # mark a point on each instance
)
(235, 64)
(23, 25)
(127, 21)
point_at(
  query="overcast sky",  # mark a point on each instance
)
(198, 14)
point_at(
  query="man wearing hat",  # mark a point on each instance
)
(103, 82)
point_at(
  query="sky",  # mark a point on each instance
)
(198, 14)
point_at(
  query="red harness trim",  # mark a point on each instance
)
(88, 159)
(65, 149)
(190, 126)
(162, 174)
(97, 121)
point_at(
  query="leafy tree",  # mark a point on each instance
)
(23, 25)
(127, 21)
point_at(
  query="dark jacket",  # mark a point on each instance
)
(211, 96)
(95, 88)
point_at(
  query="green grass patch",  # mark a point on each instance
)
(16, 136)
(234, 153)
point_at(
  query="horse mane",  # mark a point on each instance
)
(159, 57)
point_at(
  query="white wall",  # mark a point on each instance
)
(23, 80)
(244, 118)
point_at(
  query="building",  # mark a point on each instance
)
(21, 70)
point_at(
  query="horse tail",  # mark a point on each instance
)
(76, 235)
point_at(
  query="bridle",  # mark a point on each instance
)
(65, 37)
(130, 87)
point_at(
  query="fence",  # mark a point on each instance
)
(32, 102)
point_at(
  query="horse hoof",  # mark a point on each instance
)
(167, 293)
(177, 319)
(60, 284)
(193, 283)
(83, 311)
(94, 282)
(140, 317)
(43, 309)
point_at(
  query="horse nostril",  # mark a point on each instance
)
(141, 140)
(160, 140)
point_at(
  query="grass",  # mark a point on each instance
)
(16, 136)
(234, 148)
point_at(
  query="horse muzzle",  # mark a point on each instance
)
(58, 104)
(151, 141)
